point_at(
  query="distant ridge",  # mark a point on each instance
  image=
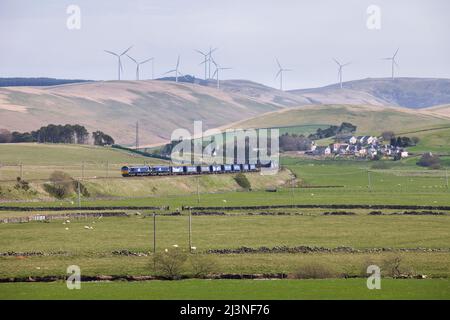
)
(413, 93)
(36, 82)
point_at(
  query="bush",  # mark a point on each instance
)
(391, 266)
(242, 181)
(202, 265)
(5, 136)
(22, 184)
(170, 263)
(314, 271)
(429, 160)
(63, 185)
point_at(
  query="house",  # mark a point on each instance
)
(372, 140)
(352, 140)
(364, 140)
(338, 147)
(320, 151)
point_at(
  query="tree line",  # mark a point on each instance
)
(331, 131)
(57, 134)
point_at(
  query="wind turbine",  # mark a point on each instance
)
(210, 59)
(138, 64)
(280, 73)
(340, 70)
(217, 71)
(176, 70)
(120, 67)
(205, 61)
(393, 62)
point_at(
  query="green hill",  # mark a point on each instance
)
(369, 119)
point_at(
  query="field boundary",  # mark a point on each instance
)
(321, 206)
(90, 208)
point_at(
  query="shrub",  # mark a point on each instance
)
(314, 271)
(391, 266)
(22, 184)
(63, 185)
(242, 181)
(429, 160)
(202, 265)
(170, 263)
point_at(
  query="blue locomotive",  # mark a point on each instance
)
(134, 171)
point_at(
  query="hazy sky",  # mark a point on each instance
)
(304, 35)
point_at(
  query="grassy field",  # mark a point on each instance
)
(317, 182)
(369, 119)
(92, 249)
(38, 161)
(63, 154)
(136, 232)
(436, 141)
(233, 290)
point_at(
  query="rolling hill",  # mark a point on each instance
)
(114, 107)
(369, 119)
(14, 82)
(162, 106)
(414, 93)
(441, 111)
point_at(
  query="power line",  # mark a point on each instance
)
(137, 135)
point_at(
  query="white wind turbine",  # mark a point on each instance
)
(340, 70)
(205, 61)
(138, 64)
(176, 70)
(393, 63)
(120, 67)
(217, 71)
(210, 59)
(280, 73)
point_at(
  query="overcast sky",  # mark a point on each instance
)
(304, 35)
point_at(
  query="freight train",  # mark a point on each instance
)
(133, 171)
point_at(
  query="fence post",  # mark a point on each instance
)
(446, 176)
(190, 230)
(154, 232)
(198, 192)
(79, 194)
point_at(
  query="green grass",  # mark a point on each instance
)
(233, 289)
(369, 120)
(135, 233)
(62, 154)
(434, 264)
(438, 196)
(38, 161)
(305, 130)
(436, 141)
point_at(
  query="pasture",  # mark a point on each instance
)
(233, 290)
(64, 243)
(420, 241)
